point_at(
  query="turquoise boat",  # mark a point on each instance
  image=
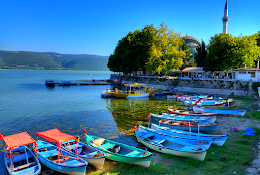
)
(57, 158)
(168, 146)
(201, 142)
(217, 139)
(120, 152)
(155, 118)
(226, 110)
(19, 159)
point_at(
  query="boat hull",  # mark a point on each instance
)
(135, 159)
(32, 170)
(193, 155)
(221, 111)
(72, 169)
(135, 95)
(217, 139)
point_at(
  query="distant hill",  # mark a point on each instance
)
(52, 60)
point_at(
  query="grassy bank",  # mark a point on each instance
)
(233, 157)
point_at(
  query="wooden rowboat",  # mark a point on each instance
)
(57, 158)
(19, 159)
(189, 126)
(120, 152)
(217, 139)
(205, 143)
(168, 146)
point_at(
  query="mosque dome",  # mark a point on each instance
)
(191, 41)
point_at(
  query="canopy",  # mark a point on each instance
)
(19, 139)
(55, 135)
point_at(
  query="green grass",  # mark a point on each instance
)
(234, 156)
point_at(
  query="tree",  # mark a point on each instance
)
(201, 54)
(187, 57)
(164, 55)
(226, 52)
(151, 48)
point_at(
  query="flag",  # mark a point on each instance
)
(135, 127)
(122, 82)
(115, 80)
(85, 131)
(148, 116)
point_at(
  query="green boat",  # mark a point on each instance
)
(120, 152)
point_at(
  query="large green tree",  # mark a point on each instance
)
(201, 54)
(151, 48)
(226, 52)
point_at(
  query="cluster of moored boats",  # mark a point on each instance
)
(177, 132)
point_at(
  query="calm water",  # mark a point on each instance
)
(26, 104)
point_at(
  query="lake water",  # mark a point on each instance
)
(26, 104)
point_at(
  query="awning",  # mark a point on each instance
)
(193, 69)
(56, 136)
(19, 139)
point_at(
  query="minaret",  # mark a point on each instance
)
(225, 18)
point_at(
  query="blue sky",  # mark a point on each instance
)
(94, 27)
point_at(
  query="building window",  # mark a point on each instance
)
(242, 72)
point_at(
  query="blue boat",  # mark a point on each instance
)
(189, 126)
(155, 118)
(205, 143)
(221, 110)
(217, 139)
(19, 159)
(168, 146)
(57, 158)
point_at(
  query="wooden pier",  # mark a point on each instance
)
(52, 83)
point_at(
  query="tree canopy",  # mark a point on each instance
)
(226, 52)
(150, 48)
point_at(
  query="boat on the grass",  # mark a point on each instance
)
(120, 152)
(211, 119)
(57, 158)
(205, 143)
(19, 159)
(217, 139)
(189, 126)
(168, 146)
(134, 90)
(206, 102)
(226, 110)
(190, 113)
(189, 97)
(92, 155)
(155, 118)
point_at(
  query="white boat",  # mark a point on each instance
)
(221, 110)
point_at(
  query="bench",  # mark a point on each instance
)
(107, 145)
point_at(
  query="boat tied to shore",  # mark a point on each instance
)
(134, 90)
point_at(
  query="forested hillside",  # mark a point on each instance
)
(51, 60)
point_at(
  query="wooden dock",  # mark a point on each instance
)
(52, 83)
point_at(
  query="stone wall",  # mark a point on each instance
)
(214, 87)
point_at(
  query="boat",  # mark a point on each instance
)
(120, 152)
(205, 143)
(92, 155)
(211, 119)
(155, 118)
(49, 83)
(168, 146)
(226, 110)
(134, 90)
(217, 139)
(189, 97)
(19, 159)
(206, 102)
(189, 126)
(190, 113)
(57, 158)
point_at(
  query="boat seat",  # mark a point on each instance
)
(134, 153)
(48, 153)
(72, 163)
(159, 141)
(19, 157)
(107, 145)
(148, 135)
(93, 153)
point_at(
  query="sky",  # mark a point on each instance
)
(95, 26)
